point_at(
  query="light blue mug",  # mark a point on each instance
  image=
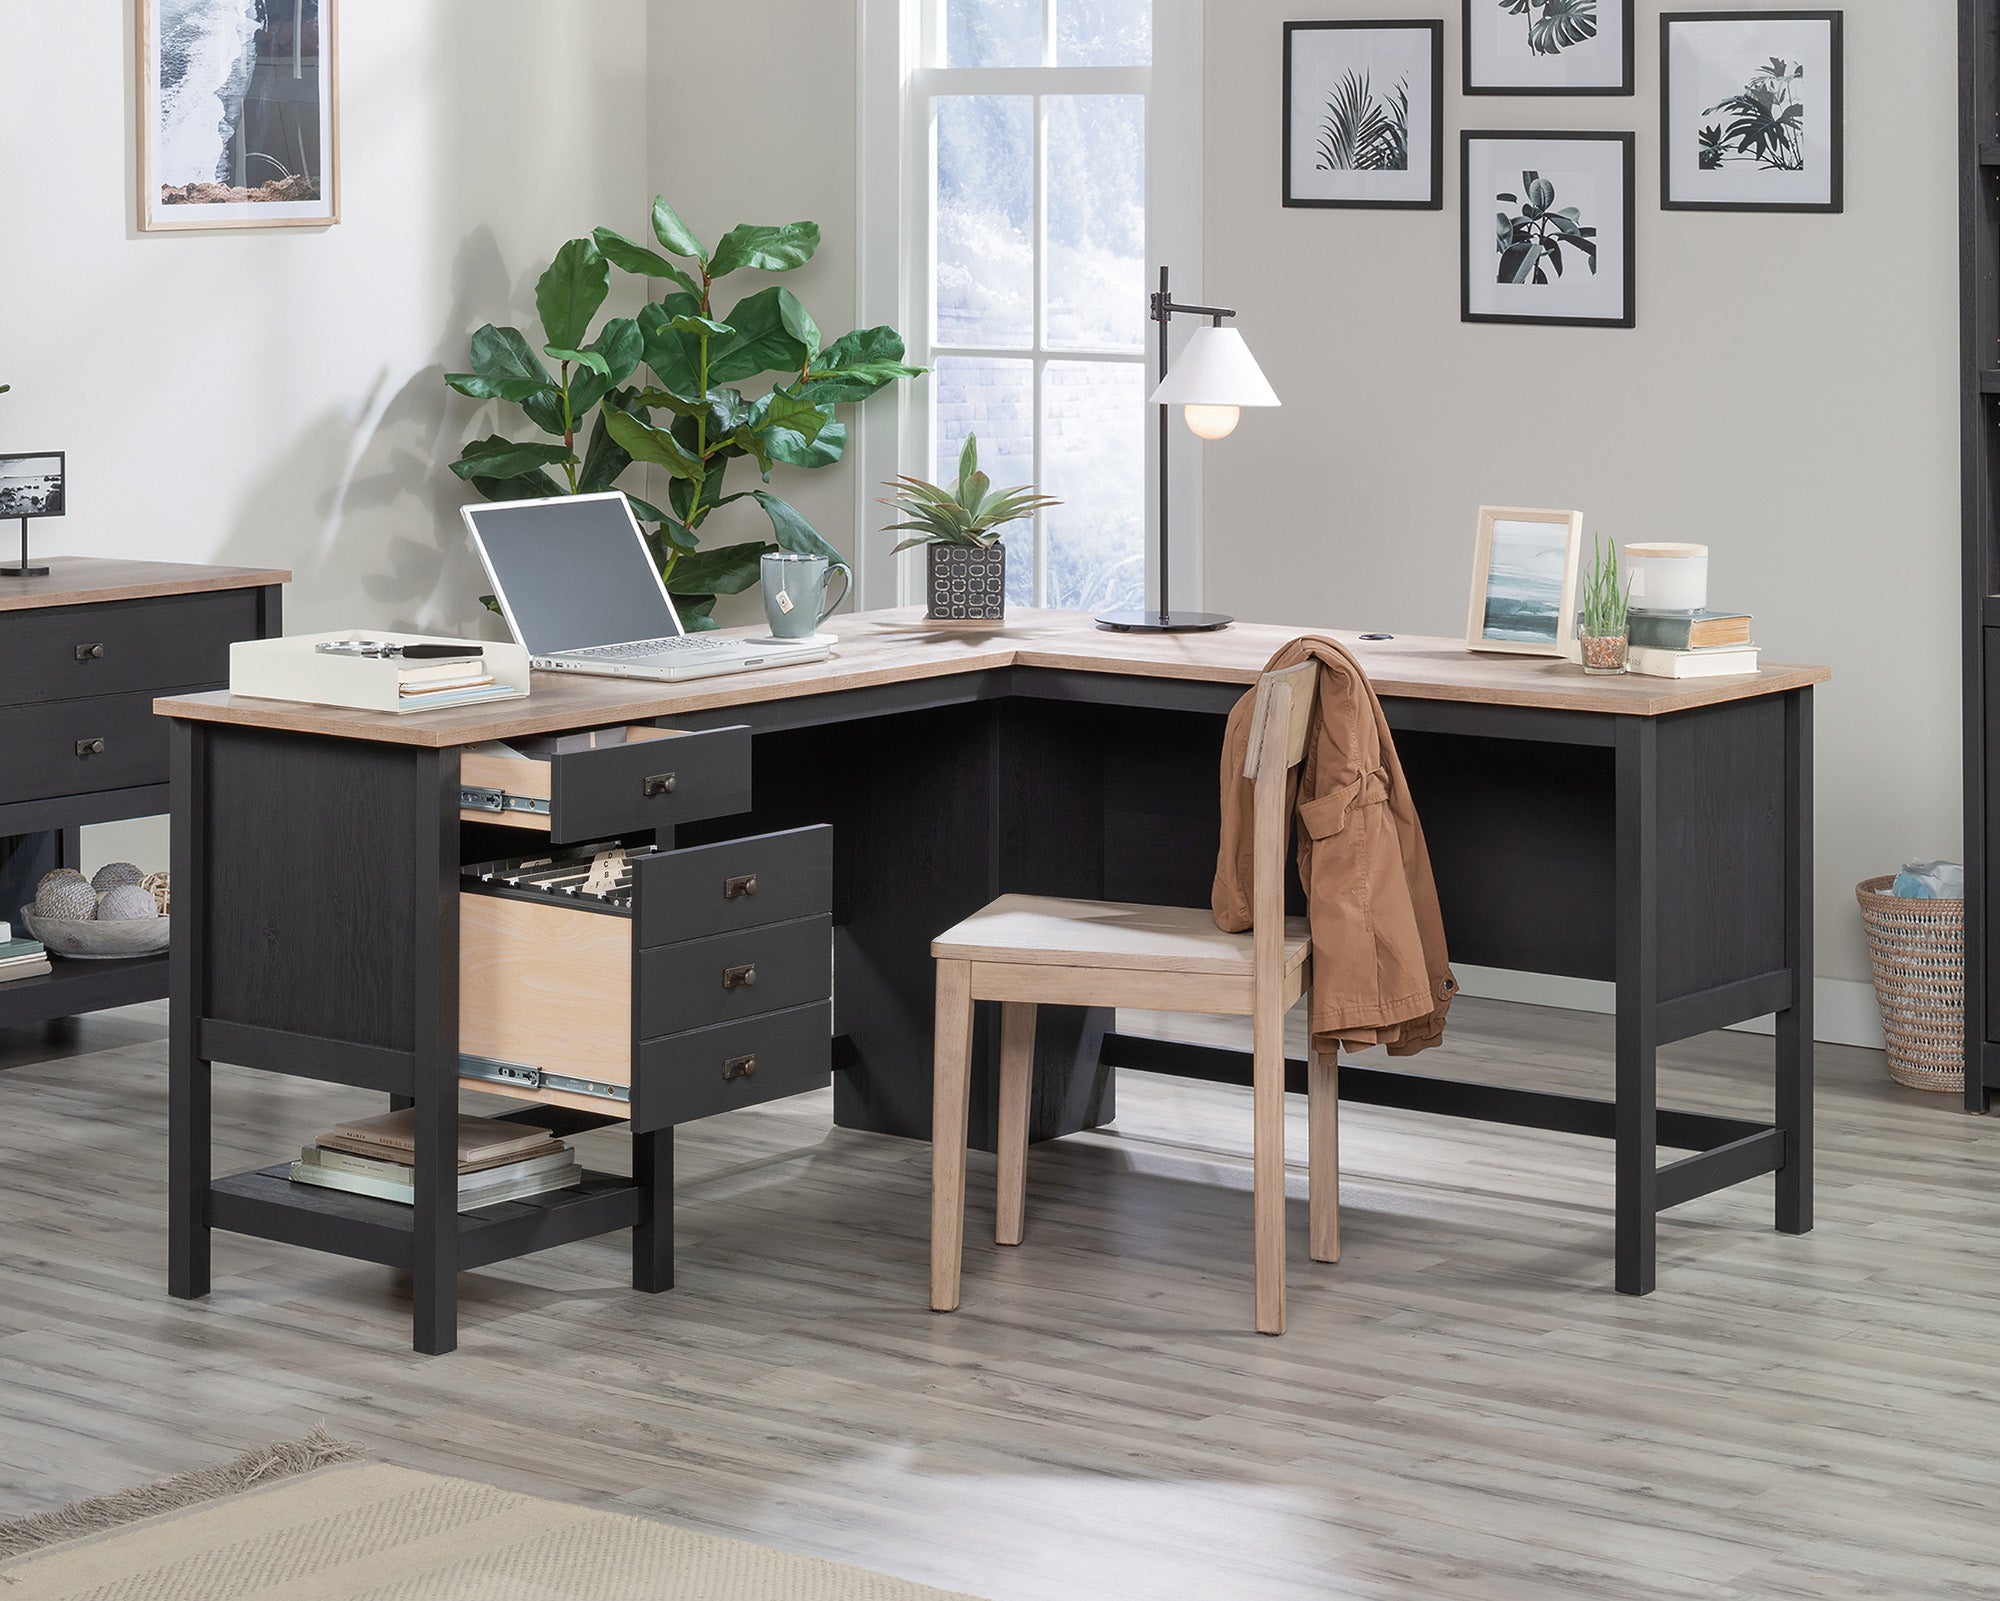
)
(795, 598)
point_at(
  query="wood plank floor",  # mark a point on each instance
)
(1462, 1409)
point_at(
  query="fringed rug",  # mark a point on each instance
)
(281, 1525)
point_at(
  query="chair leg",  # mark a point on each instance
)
(1017, 1082)
(1268, 1167)
(951, 1085)
(1323, 1120)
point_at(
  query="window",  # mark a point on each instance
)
(1025, 266)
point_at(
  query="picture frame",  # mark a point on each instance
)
(1550, 47)
(1549, 227)
(1741, 127)
(1364, 115)
(238, 115)
(33, 483)
(1526, 570)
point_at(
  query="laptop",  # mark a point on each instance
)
(576, 583)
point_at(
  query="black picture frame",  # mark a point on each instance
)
(61, 508)
(1435, 201)
(1836, 203)
(1628, 83)
(1628, 144)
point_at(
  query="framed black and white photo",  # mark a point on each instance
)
(1750, 111)
(1548, 228)
(33, 485)
(1548, 47)
(1364, 114)
(239, 120)
(1524, 581)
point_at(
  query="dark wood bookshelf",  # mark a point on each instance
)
(73, 987)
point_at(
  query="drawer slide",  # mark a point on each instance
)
(475, 799)
(520, 1076)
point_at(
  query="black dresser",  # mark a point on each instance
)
(83, 652)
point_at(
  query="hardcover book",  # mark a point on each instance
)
(1707, 630)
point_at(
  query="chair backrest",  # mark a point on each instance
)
(1280, 721)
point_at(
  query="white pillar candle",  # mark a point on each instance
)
(1668, 577)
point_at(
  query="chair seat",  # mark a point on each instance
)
(1040, 930)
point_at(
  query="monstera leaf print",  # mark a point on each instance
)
(1554, 25)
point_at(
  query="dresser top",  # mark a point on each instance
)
(92, 580)
(888, 647)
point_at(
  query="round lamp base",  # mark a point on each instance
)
(1173, 622)
(16, 570)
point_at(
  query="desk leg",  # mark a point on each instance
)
(1795, 1026)
(1638, 973)
(653, 1239)
(187, 1075)
(434, 945)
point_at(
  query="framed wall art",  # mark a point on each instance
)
(1751, 114)
(239, 123)
(1364, 114)
(1524, 581)
(1548, 47)
(1548, 228)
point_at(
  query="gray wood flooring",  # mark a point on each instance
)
(1462, 1409)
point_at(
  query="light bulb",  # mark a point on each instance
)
(1213, 422)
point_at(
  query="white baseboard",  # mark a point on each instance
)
(1843, 1008)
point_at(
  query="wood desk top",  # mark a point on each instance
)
(888, 647)
(91, 580)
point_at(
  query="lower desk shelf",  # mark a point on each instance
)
(269, 1206)
(75, 987)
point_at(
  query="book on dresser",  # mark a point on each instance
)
(1725, 662)
(1702, 630)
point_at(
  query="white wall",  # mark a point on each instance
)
(1789, 397)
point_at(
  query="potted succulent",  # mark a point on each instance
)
(960, 526)
(1603, 629)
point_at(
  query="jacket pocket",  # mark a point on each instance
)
(1327, 816)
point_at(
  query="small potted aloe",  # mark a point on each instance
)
(1603, 629)
(967, 575)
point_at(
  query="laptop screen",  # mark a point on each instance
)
(572, 573)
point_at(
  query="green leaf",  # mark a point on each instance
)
(677, 535)
(855, 366)
(495, 457)
(675, 234)
(503, 353)
(537, 485)
(968, 464)
(694, 610)
(518, 390)
(627, 256)
(798, 322)
(647, 512)
(656, 445)
(620, 344)
(793, 532)
(570, 293)
(604, 460)
(591, 359)
(765, 248)
(672, 353)
(728, 570)
(758, 340)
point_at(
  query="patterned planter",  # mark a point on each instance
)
(967, 581)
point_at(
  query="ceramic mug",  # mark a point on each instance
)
(795, 587)
(1668, 577)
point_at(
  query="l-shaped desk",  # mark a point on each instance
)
(1653, 833)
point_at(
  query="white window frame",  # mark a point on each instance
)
(893, 433)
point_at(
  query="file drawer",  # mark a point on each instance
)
(175, 642)
(78, 747)
(740, 883)
(711, 1070)
(704, 981)
(612, 781)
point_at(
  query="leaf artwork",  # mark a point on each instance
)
(1554, 25)
(1362, 132)
(1532, 240)
(1767, 122)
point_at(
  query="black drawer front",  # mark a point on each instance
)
(593, 793)
(74, 747)
(710, 1070)
(741, 883)
(175, 642)
(731, 976)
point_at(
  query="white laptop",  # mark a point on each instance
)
(577, 585)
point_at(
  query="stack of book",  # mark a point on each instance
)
(21, 958)
(1704, 644)
(465, 682)
(496, 1161)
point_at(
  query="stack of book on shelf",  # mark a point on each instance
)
(21, 958)
(1703, 644)
(496, 1161)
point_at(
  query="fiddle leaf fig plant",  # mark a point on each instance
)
(754, 382)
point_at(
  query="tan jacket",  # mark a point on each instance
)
(1379, 972)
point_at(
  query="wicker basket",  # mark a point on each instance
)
(1917, 951)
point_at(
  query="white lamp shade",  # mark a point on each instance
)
(1216, 369)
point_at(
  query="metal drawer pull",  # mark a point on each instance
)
(90, 653)
(660, 784)
(739, 1067)
(734, 889)
(90, 747)
(739, 978)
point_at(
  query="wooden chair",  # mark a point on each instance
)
(1025, 949)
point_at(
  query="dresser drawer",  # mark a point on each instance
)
(710, 1070)
(577, 787)
(704, 981)
(76, 747)
(740, 883)
(175, 642)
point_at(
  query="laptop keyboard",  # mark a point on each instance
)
(650, 647)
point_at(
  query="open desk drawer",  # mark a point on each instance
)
(575, 787)
(562, 1000)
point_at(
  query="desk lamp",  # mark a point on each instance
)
(1217, 376)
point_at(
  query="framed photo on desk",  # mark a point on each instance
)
(1524, 581)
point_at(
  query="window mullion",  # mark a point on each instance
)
(1041, 543)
